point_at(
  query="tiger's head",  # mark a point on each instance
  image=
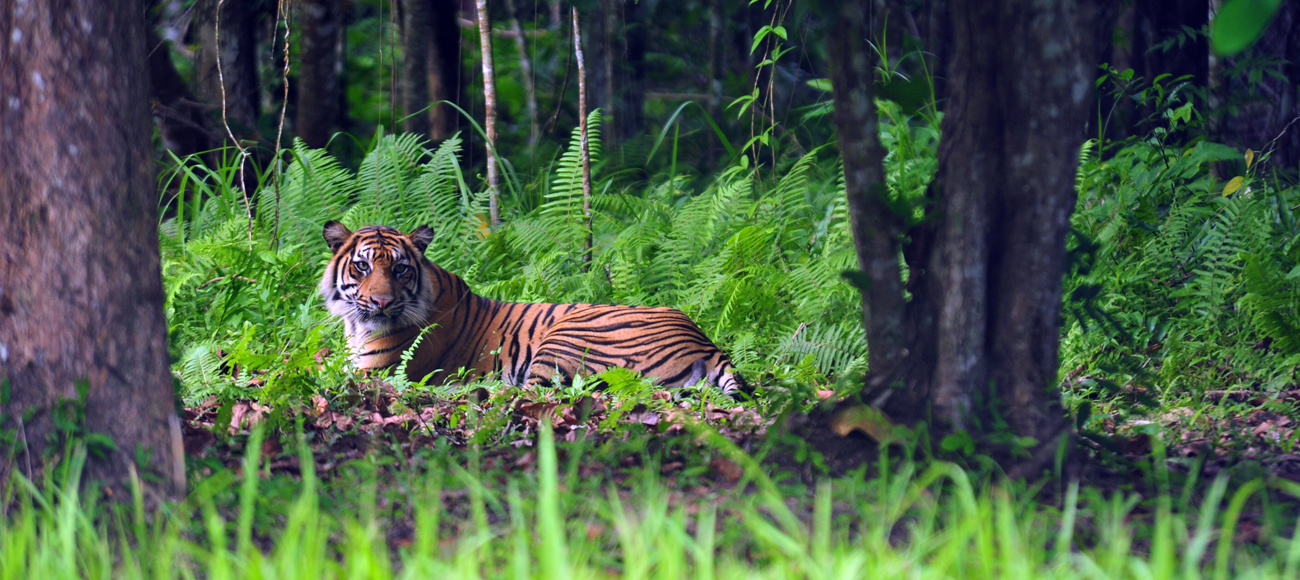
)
(376, 279)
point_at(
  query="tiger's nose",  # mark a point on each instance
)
(381, 301)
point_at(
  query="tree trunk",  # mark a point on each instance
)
(238, 66)
(938, 43)
(417, 31)
(321, 25)
(490, 112)
(978, 341)
(596, 51)
(583, 144)
(444, 69)
(81, 294)
(717, 12)
(877, 228)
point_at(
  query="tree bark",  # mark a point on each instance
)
(977, 345)
(490, 112)
(238, 54)
(81, 294)
(583, 144)
(318, 75)
(417, 30)
(717, 11)
(596, 53)
(444, 70)
(877, 228)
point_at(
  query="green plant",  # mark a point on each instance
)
(755, 261)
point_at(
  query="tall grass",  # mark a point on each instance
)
(917, 522)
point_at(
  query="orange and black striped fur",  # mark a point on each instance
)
(387, 293)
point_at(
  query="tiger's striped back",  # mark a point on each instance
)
(388, 294)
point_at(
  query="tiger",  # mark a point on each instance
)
(390, 297)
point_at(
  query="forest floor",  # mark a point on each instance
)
(370, 432)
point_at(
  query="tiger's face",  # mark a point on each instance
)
(375, 281)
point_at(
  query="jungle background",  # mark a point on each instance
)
(717, 186)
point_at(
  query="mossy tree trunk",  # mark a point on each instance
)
(81, 293)
(975, 349)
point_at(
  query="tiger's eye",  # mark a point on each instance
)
(401, 269)
(361, 266)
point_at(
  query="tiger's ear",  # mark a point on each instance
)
(421, 237)
(336, 234)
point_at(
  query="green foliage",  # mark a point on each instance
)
(1186, 262)
(1239, 23)
(755, 260)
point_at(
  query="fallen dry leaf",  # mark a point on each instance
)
(319, 404)
(537, 410)
(870, 420)
(728, 469)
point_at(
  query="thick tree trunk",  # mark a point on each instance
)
(320, 28)
(417, 30)
(444, 70)
(81, 294)
(979, 338)
(490, 112)
(938, 43)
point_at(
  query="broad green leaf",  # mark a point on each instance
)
(1240, 23)
(758, 38)
(819, 84)
(1233, 185)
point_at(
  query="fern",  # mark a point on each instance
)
(832, 346)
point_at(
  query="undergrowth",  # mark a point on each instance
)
(753, 256)
(435, 518)
(1187, 264)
